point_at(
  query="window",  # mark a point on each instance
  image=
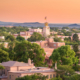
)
(9, 76)
(54, 44)
(18, 76)
(51, 76)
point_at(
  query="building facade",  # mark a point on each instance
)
(14, 69)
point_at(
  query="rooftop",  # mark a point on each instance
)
(14, 63)
(35, 70)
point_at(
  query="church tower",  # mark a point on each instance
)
(46, 29)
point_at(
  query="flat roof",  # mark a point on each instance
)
(35, 70)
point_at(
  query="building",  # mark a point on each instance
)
(5, 44)
(49, 45)
(46, 30)
(14, 69)
(31, 31)
(15, 35)
(26, 35)
(2, 37)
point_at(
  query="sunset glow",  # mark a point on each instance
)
(57, 11)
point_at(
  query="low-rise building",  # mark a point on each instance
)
(26, 35)
(2, 37)
(14, 69)
(31, 31)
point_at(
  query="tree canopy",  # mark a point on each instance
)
(2, 67)
(19, 38)
(36, 37)
(26, 49)
(75, 37)
(4, 56)
(10, 38)
(33, 77)
(64, 55)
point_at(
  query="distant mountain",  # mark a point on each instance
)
(36, 24)
(74, 25)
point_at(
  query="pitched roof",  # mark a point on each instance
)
(14, 63)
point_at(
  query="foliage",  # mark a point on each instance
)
(19, 38)
(75, 37)
(76, 67)
(64, 55)
(65, 70)
(56, 78)
(33, 77)
(4, 56)
(56, 39)
(25, 50)
(12, 30)
(72, 77)
(75, 47)
(10, 38)
(2, 67)
(67, 39)
(36, 37)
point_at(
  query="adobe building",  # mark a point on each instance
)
(38, 30)
(14, 69)
(49, 45)
(25, 34)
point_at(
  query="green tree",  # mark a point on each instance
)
(10, 38)
(25, 50)
(75, 47)
(56, 78)
(2, 67)
(19, 38)
(33, 77)
(67, 39)
(65, 70)
(36, 37)
(72, 77)
(64, 55)
(56, 39)
(75, 37)
(4, 56)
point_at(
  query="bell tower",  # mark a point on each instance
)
(46, 29)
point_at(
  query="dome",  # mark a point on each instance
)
(46, 23)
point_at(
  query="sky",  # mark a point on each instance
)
(57, 11)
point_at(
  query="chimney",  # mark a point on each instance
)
(29, 61)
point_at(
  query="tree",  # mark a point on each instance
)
(65, 70)
(36, 37)
(64, 55)
(75, 37)
(67, 39)
(56, 39)
(72, 77)
(4, 56)
(2, 67)
(10, 37)
(37, 76)
(56, 78)
(75, 47)
(25, 50)
(19, 38)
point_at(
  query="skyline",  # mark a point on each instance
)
(57, 11)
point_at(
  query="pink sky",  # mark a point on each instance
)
(57, 11)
